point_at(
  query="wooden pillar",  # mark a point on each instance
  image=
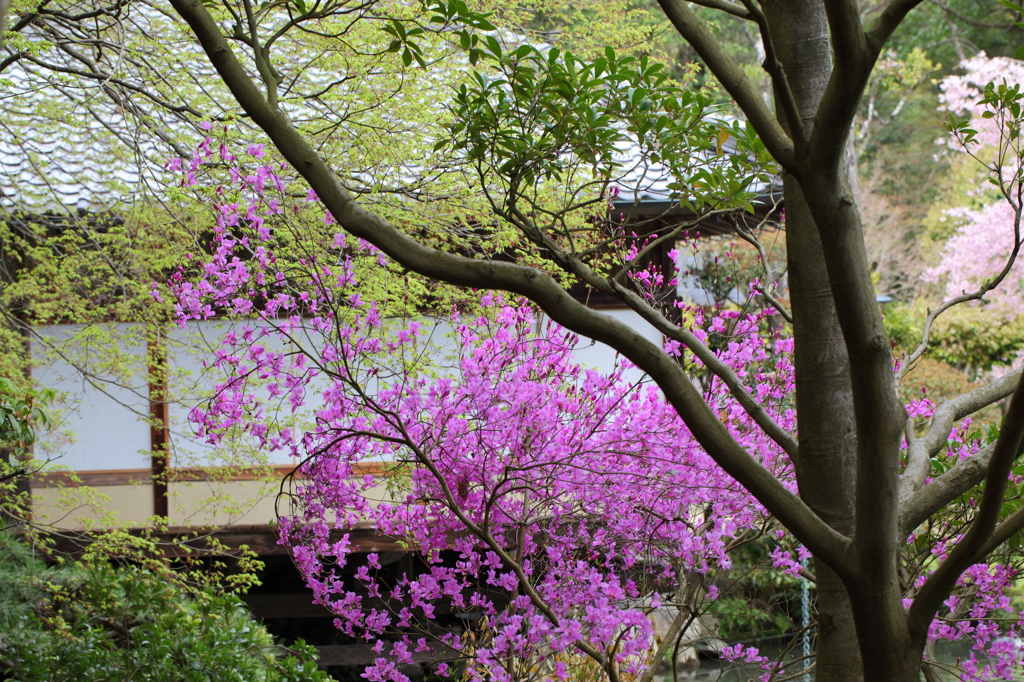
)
(159, 432)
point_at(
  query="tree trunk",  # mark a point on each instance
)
(841, 432)
(826, 470)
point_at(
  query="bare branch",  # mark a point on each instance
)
(920, 451)
(679, 625)
(573, 264)
(967, 20)
(922, 504)
(725, 6)
(748, 236)
(774, 302)
(260, 56)
(104, 78)
(965, 297)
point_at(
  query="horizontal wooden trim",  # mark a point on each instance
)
(362, 654)
(261, 539)
(75, 479)
(67, 479)
(253, 473)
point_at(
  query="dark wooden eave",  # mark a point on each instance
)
(261, 539)
(658, 217)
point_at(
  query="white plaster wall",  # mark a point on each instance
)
(102, 425)
(100, 420)
(130, 505)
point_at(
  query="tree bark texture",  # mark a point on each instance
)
(849, 420)
(826, 467)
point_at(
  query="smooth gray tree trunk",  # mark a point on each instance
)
(826, 470)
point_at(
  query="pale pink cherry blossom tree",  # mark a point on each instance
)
(980, 256)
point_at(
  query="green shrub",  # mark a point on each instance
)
(969, 338)
(98, 622)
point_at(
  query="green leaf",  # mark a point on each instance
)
(493, 46)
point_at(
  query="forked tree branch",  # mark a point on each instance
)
(856, 52)
(880, 417)
(890, 18)
(734, 80)
(572, 263)
(917, 507)
(848, 40)
(978, 294)
(778, 75)
(483, 533)
(921, 450)
(982, 533)
(636, 303)
(774, 302)
(539, 287)
(770, 275)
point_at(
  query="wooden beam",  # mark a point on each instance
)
(361, 654)
(262, 539)
(63, 479)
(159, 431)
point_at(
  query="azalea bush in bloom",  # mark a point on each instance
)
(576, 500)
(555, 509)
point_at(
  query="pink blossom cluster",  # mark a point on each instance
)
(979, 249)
(572, 498)
(973, 614)
(979, 611)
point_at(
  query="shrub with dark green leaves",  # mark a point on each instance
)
(99, 622)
